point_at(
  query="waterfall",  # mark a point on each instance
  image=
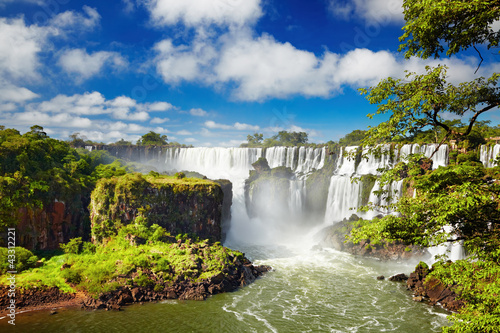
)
(372, 162)
(488, 155)
(343, 195)
(440, 158)
(297, 195)
(300, 160)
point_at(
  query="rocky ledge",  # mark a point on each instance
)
(336, 237)
(238, 275)
(432, 290)
(231, 279)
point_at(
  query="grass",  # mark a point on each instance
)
(117, 263)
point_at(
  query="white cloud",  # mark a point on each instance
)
(208, 134)
(264, 68)
(85, 65)
(19, 48)
(71, 19)
(245, 127)
(178, 63)
(94, 103)
(44, 119)
(190, 140)
(37, 2)
(160, 106)
(194, 13)
(157, 120)
(373, 11)
(237, 126)
(12, 93)
(184, 132)
(129, 6)
(198, 112)
(232, 143)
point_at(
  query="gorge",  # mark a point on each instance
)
(320, 291)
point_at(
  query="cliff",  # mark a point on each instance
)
(181, 206)
(45, 229)
(268, 191)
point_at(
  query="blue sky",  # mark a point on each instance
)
(203, 72)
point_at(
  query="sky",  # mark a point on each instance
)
(202, 72)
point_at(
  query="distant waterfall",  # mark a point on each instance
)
(344, 196)
(299, 159)
(488, 155)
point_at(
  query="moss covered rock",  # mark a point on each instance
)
(181, 206)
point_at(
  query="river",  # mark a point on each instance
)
(308, 291)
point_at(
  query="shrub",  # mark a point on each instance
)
(74, 246)
(24, 259)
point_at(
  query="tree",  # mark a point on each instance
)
(291, 138)
(152, 138)
(459, 202)
(437, 26)
(355, 138)
(77, 140)
(419, 102)
(255, 139)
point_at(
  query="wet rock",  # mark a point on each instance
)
(381, 277)
(398, 277)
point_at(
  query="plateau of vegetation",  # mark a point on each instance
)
(161, 261)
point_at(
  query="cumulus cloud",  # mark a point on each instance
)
(373, 11)
(183, 62)
(81, 21)
(159, 106)
(85, 65)
(236, 126)
(194, 13)
(157, 120)
(198, 112)
(94, 103)
(19, 48)
(15, 94)
(184, 132)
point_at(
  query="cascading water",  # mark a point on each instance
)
(488, 154)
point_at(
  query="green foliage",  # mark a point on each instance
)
(255, 140)
(478, 284)
(419, 101)
(152, 138)
(436, 27)
(74, 246)
(283, 138)
(119, 263)
(180, 175)
(21, 258)
(148, 200)
(355, 138)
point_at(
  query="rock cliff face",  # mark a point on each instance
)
(227, 190)
(430, 289)
(267, 192)
(181, 206)
(45, 229)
